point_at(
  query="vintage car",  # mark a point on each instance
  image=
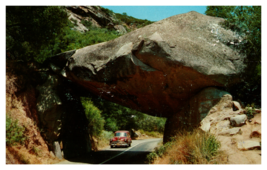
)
(121, 138)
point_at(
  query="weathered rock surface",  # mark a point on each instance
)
(57, 150)
(238, 120)
(49, 107)
(241, 144)
(248, 145)
(62, 117)
(120, 29)
(93, 14)
(158, 68)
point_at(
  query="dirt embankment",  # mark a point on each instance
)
(21, 106)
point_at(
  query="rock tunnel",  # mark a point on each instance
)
(176, 68)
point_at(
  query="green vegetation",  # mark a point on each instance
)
(32, 29)
(246, 22)
(93, 114)
(118, 117)
(107, 116)
(131, 20)
(35, 33)
(14, 132)
(36, 151)
(194, 147)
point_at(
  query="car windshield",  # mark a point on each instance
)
(120, 134)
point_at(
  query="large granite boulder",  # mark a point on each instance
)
(173, 68)
(158, 68)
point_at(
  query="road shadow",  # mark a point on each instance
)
(101, 157)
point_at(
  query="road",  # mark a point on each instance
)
(136, 154)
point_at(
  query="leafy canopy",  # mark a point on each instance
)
(246, 22)
(30, 28)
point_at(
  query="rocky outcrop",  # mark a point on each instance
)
(50, 109)
(163, 69)
(120, 29)
(240, 137)
(62, 117)
(158, 68)
(93, 14)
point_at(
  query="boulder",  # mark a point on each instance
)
(57, 150)
(158, 68)
(120, 29)
(238, 120)
(49, 108)
(237, 105)
(217, 118)
(248, 145)
(230, 132)
(94, 14)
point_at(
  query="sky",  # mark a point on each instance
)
(155, 13)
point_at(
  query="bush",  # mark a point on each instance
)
(104, 138)
(195, 147)
(86, 23)
(14, 132)
(93, 114)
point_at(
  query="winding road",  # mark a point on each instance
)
(136, 154)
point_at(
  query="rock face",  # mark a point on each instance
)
(158, 68)
(242, 144)
(62, 117)
(93, 14)
(173, 68)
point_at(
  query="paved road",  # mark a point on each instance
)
(136, 154)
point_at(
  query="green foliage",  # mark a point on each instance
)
(158, 152)
(188, 148)
(93, 114)
(246, 22)
(118, 117)
(14, 132)
(131, 20)
(86, 23)
(250, 111)
(150, 123)
(107, 11)
(209, 146)
(36, 151)
(30, 29)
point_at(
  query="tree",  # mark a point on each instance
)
(93, 114)
(31, 29)
(246, 22)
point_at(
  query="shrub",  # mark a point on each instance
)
(93, 114)
(86, 23)
(194, 147)
(104, 138)
(14, 132)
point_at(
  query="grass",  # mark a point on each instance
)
(154, 134)
(194, 147)
(14, 132)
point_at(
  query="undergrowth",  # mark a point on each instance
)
(104, 138)
(155, 134)
(195, 147)
(14, 132)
